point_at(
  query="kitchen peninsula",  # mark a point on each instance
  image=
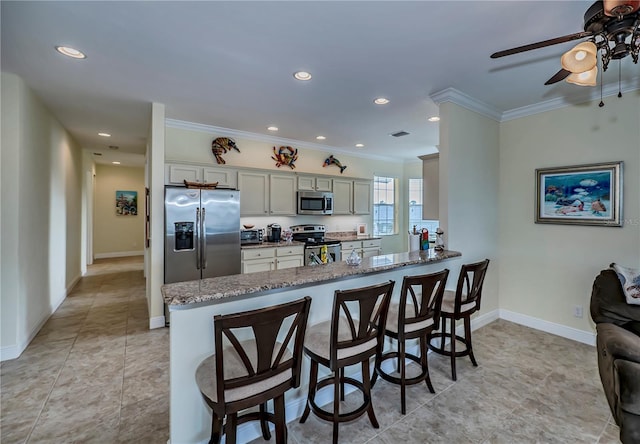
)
(193, 304)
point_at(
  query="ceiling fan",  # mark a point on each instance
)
(612, 28)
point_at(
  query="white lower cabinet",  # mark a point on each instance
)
(258, 259)
(363, 248)
(289, 257)
(269, 259)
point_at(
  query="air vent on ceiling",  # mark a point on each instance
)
(97, 154)
(113, 147)
(400, 134)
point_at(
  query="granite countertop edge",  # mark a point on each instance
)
(185, 295)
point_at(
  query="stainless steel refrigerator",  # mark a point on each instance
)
(202, 234)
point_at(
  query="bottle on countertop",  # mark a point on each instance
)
(323, 254)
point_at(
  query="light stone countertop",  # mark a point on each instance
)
(191, 294)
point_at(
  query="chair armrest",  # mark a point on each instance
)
(619, 343)
(628, 385)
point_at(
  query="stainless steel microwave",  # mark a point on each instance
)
(312, 202)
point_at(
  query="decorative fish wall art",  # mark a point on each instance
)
(286, 155)
(220, 146)
(333, 161)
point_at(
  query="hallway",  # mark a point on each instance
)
(95, 372)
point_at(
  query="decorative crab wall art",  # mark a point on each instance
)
(286, 155)
(333, 161)
(220, 146)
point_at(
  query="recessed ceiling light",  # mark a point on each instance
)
(272, 128)
(116, 163)
(381, 101)
(302, 75)
(434, 119)
(104, 134)
(70, 52)
(320, 137)
(359, 145)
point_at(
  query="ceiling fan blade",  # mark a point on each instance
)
(560, 75)
(542, 44)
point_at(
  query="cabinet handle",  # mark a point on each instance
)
(258, 254)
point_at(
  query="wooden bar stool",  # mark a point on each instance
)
(460, 304)
(352, 336)
(415, 316)
(253, 363)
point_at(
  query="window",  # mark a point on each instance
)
(384, 209)
(415, 210)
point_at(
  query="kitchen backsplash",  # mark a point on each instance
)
(332, 223)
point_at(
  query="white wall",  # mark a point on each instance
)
(117, 235)
(546, 270)
(469, 172)
(41, 208)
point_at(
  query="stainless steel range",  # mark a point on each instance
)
(313, 238)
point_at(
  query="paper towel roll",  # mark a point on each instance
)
(414, 242)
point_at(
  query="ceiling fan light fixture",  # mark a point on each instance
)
(587, 78)
(582, 58)
(617, 8)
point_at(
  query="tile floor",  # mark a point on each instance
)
(95, 373)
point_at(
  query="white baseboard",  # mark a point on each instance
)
(10, 352)
(156, 322)
(14, 351)
(586, 337)
(73, 283)
(118, 254)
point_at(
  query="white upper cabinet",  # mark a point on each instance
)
(342, 196)
(254, 193)
(314, 183)
(362, 196)
(282, 195)
(176, 174)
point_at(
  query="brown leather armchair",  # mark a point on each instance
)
(618, 342)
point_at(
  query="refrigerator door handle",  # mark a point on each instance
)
(198, 235)
(203, 237)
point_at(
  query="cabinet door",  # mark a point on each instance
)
(306, 183)
(362, 197)
(342, 196)
(255, 266)
(324, 184)
(224, 177)
(254, 193)
(179, 173)
(289, 262)
(282, 197)
(369, 252)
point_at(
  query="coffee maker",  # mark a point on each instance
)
(274, 232)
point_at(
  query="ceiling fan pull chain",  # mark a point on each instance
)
(619, 78)
(601, 104)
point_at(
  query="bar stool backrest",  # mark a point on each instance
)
(268, 342)
(357, 323)
(420, 302)
(469, 289)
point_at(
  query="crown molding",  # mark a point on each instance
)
(589, 94)
(228, 132)
(459, 98)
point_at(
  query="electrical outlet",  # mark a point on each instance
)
(577, 311)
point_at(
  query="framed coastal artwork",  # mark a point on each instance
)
(580, 195)
(126, 203)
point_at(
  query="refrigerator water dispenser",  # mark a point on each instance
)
(184, 236)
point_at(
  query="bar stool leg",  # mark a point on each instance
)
(403, 387)
(264, 425)
(313, 381)
(452, 325)
(367, 393)
(231, 428)
(281, 426)
(467, 334)
(336, 405)
(342, 384)
(216, 429)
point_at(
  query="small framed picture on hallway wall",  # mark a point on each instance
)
(580, 195)
(126, 203)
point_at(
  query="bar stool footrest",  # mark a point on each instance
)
(466, 352)
(395, 380)
(342, 417)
